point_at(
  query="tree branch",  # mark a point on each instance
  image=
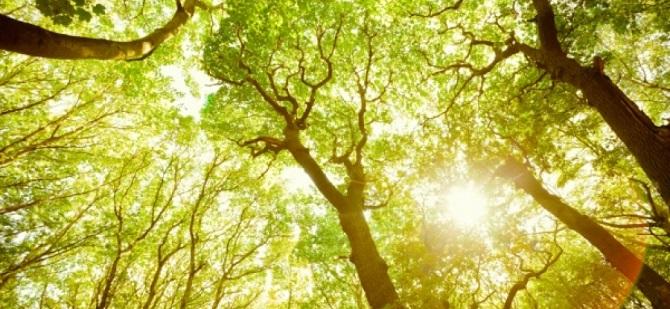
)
(25, 38)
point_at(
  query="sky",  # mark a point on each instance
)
(189, 102)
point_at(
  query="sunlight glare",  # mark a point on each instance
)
(466, 205)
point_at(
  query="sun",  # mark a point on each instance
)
(466, 204)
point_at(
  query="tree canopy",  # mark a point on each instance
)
(335, 154)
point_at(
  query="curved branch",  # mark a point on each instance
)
(271, 144)
(521, 285)
(430, 13)
(25, 38)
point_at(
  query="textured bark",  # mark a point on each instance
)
(25, 38)
(650, 283)
(649, 143)
(370, 266)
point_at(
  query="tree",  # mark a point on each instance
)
(97, 197)
(653, 285)
(647, 141)
(292, 89)
(490, 58)
(339, 155)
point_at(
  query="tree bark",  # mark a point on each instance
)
(649, 143)
(370, 266)
(650, 283)
(20, 37)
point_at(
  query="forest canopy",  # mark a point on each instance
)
(334, 154)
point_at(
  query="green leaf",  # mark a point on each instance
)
(62, 20)
(99, 9)
(44, 7)
(83, 14)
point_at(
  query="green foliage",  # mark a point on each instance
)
(63, 11)
(107, 184)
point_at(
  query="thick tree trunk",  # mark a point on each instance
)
(650, 283)
(24, 38)
(370, 266)
(649, 143)
(646, 141)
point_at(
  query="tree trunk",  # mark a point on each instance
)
(650, 283)
(646, 141)
(649, 143)
(370, 266)
(109, 281)
(25, 38)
